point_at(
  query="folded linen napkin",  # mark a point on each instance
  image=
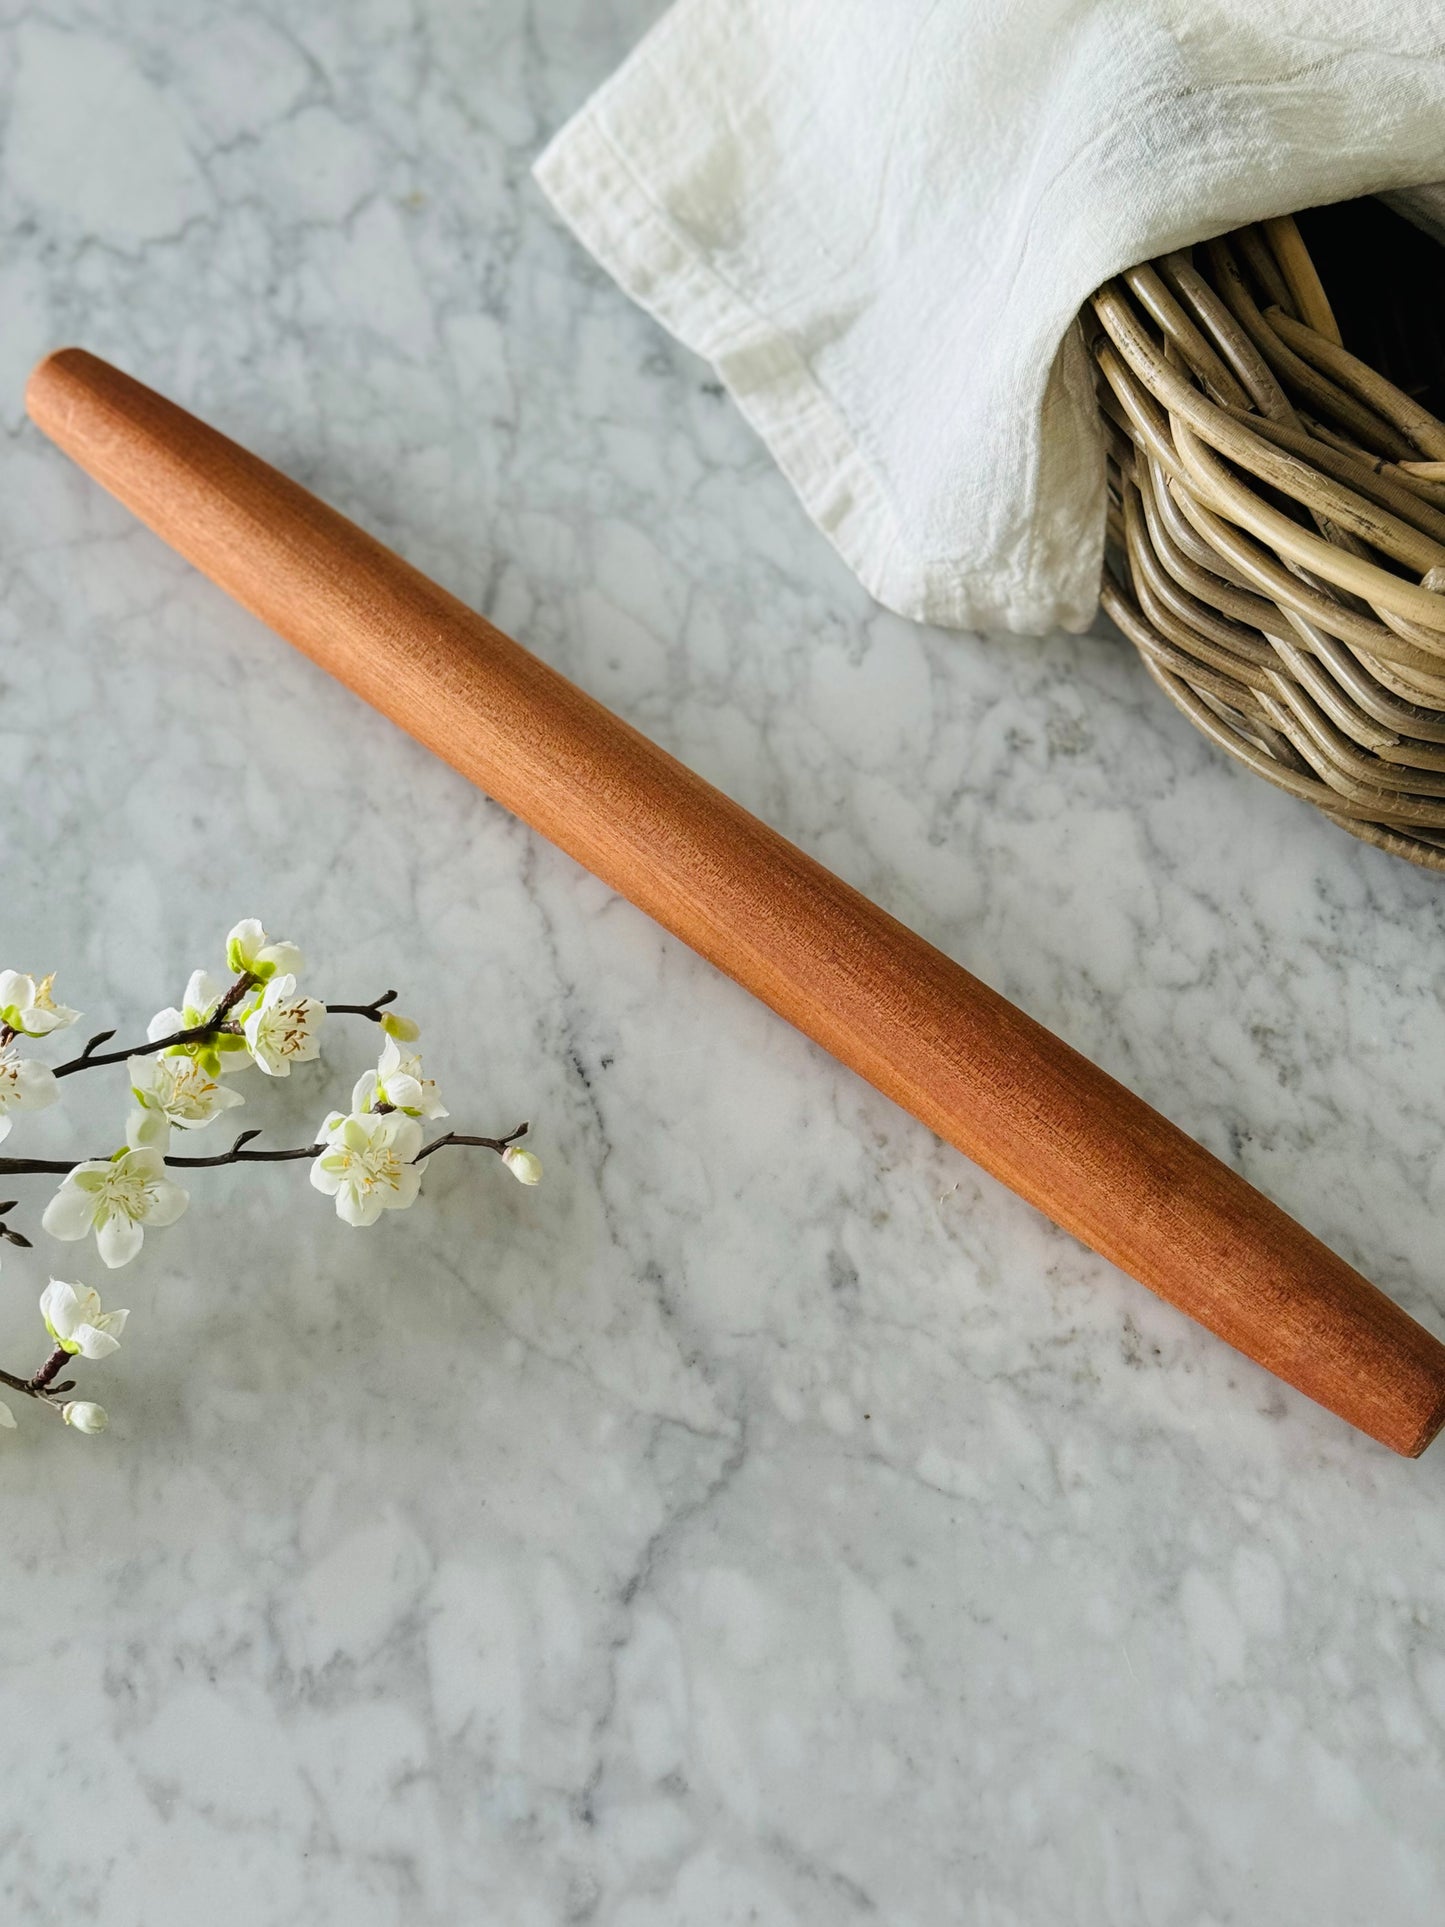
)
(878, 219)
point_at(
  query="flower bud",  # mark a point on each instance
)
(525, 1166)
(404, 1029)
(84, 1416)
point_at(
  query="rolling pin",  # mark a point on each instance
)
(973, 1068)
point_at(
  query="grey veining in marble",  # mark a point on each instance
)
(769, 1520)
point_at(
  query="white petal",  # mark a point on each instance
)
(60, 1306)
(244, 943)
(7, 1419)
(408, 1183)
(405, 1137)
(313, 1015)
(111, 1321)
(118, 1238)
(142, 1071)
(91, 1175)
(165, 1023)
(16, 988)
(84, 1416)
(203, 993)
(94, 1343)
(352, 1209)
(405, 1092)
(220, 1099)
(35, 1086)
(525, 1166)
(284, 959)
(7, 1124)
(145, 1163)
(70, 1213)
(327, 1182)
(147, 1129)
(363, 1091)
(170, 1202)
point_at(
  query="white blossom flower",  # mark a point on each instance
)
(7, 1418)
(405, 1030)
(176, 1089)
(85, 1416)
(75, 1320)
(27, 1006)
(398, 1081)
(249, 948)
(367, 1164)
(202, 994)
(282, 1028)
(24, 1086)
(117, 1199)
(525, 1166)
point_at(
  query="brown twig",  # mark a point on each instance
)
(92, 1056)
(239, 1154)
(371, 1011)
(39, 1385)
(50, 1370)
(46, 1393)
(497, 1144)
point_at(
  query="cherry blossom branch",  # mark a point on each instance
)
(365, 1162)
(38, 1385)
(372, 1011)
(497, 1144)
(92, 1057)
(240, 1154)
(51, 1370)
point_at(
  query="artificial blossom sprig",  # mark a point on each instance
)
(76, 1325)
(368, 1158)
(27, 1008)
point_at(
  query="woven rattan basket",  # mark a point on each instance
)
(1277, 514)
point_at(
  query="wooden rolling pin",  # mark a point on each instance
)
(1005, 1091)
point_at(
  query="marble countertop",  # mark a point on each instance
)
(769, 1519)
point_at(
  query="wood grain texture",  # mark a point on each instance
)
(972, 1067)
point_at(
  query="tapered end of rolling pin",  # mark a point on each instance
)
(976, 1070)
(53, 387)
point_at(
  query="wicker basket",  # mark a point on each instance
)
(1277, 522)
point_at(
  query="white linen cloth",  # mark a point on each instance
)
(878, 220)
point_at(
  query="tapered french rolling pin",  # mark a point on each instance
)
(1009, 1094)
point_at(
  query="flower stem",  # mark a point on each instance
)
(93, 1056)
(51, 1369)
(239, 1153)
(46, 1394)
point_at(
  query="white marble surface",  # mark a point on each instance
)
(769, 1520)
